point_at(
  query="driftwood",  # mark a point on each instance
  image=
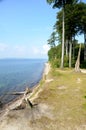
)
(23, 104)
(30, 104)
(20, 93)
(15, 93)
(25, 101)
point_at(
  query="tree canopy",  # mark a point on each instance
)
(70, 24)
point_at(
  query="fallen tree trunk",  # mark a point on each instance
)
(25, 100)
(15, 93)
(20, 93)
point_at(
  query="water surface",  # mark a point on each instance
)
(17, 74)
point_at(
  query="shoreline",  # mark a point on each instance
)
(11, 105)
(57, 104)
(31, 88)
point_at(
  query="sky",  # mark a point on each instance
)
(25, 27)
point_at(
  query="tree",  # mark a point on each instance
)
(83, 26)
(70, 26)
(77, 65)
(75, 17)
(52, 39)
(58, 26)
(61, 4)
(80, 16)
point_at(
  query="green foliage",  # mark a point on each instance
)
(83, 64)
(62, 3)
(55, 73)
(75, 17)
(55, 63)
(74, 14)
(54, 52)
(50, 1)
(66, 61)
(54, 55)
(52, 39)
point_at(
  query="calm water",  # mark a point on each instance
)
(17, 74)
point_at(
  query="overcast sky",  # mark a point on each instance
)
(25, 27)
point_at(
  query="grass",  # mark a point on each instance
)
(66, 94)
(37, 88)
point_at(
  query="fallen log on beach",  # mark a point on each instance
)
(22, 105)
(20, 93)
(24, 101)
(15, 93)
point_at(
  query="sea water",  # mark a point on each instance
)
(17, 74)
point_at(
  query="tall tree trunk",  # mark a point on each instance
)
(77, 65)
(70, 53)
(66, 47)
(84, 46)
(74, 47)
(63, 35)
